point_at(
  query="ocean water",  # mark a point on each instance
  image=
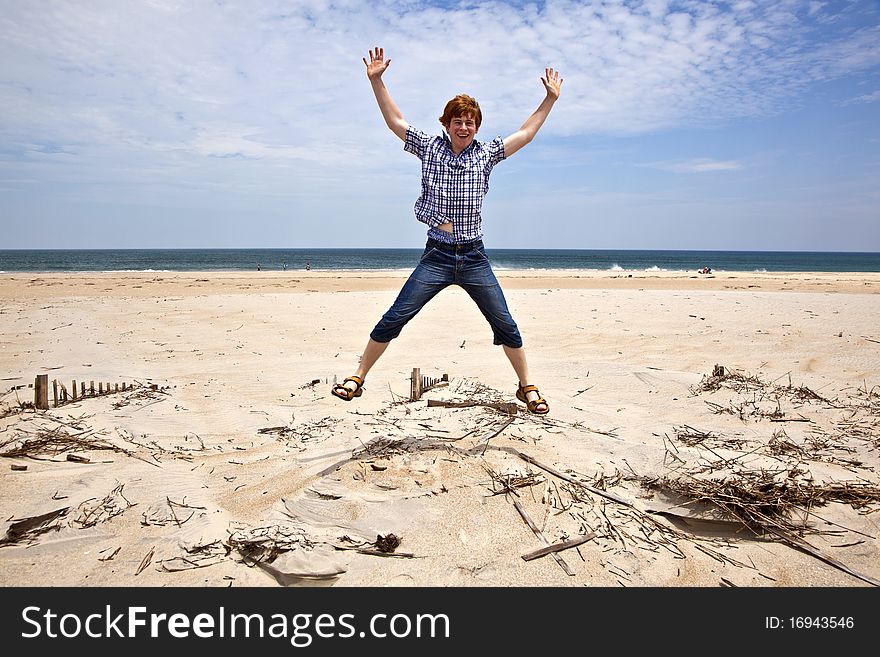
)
(109, 260)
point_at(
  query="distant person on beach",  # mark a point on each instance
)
(706, 270)
(308, 266)
(455, 178)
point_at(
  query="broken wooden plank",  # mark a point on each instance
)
(541, 537)
(509, 408)
(558, 547)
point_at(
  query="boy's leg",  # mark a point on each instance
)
(432, 274)
(476, 277)
(517, 358)
(479, 281)
(371, 354)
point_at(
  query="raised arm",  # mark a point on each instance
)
(390, 112)
(528, 130)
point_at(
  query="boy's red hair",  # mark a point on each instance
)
(461, 105)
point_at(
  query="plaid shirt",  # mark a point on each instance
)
(453, 186)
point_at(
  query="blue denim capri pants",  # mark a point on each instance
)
(442, 265)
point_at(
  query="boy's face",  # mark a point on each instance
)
(461, 131)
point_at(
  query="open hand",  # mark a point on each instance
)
(377, 64)
(552, 82)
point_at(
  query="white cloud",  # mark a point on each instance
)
(864, 98)
(697, 165)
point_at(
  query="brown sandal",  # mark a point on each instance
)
(532, 405)
(344, 392)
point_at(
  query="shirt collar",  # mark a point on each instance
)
(448, 142)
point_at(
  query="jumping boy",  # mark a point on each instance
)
(455, 178)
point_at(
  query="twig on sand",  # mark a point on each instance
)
(484, 441)
(558, 547)
(572, 480)
(542, 538)
(145, 561)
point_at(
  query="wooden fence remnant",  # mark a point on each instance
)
(61, 395)
(419, 384)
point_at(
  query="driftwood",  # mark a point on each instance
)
(542, 538)
(558, 547)
(509, 408)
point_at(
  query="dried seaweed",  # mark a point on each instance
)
(52, 442)
(305, 432)
(91, 512)
(507, 483)
(264, 544)
(765, 499)
(387, 543)
(27, 529)
(199, 556)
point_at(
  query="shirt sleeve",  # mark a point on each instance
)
(417, 141)
(496, 151)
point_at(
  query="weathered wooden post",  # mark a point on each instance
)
(41, 392)
(55, 391)
(73, 390)
(415, 385)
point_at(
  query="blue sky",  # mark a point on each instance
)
(682, 125)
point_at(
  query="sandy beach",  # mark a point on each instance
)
(229, 463)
